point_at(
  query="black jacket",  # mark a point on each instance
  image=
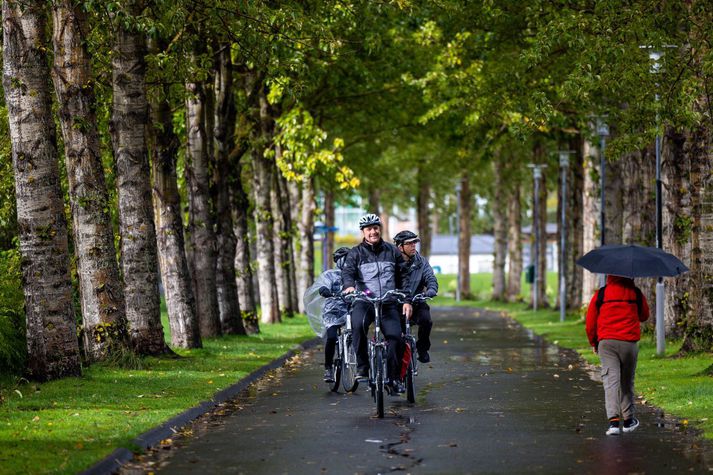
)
(419, 276)
(378, 268)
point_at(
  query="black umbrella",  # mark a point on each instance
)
(632, 261)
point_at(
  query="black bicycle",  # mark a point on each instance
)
(377, 347)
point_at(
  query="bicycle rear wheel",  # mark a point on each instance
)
(349, 380)
(379, 364)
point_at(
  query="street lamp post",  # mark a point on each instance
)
(603, 133)
(537, 172)
(655, 55)
(564, 167)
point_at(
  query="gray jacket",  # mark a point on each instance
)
(419, 277)
(378, 268)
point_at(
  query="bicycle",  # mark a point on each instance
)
(377, 348)
(344, 364)
(410, 346)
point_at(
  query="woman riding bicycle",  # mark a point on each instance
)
(376, 266)
(335, 311)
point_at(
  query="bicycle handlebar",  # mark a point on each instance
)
(360, 295)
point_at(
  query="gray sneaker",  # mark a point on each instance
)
(328, 375)
(613, 428)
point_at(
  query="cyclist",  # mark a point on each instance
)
(335, 310)
(376, 266)
(419, 279)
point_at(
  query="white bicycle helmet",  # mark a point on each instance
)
(369, 220)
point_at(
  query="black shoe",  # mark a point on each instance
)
(362, 375)
(630, 425)
(396, 388)
(424, 357)
(328, 375)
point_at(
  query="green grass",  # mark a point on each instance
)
(65, 426)
(678, 385)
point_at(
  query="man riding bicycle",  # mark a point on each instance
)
(376, 266)
(419, 279)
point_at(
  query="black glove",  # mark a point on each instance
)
(325, 292)
(431, 293)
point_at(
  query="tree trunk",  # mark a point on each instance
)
(224, 126)
(575, 223)
(243, 268)
(465, 204)
(295, 194)
(329, 222)
(677, 220)
(499, 230)
(53, 350)
(262, 181)
(306, 227)
(286, 238)
(101, 289)
(139, 253)
(279, 256)
(613, 200)
(200, 215)
(374, 201)
(176, 279)
(590, 213)
(423, 199)
(514, 246)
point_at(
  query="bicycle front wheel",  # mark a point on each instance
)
(379, 364)
(410, 379)
(349, 379)
(337, 372)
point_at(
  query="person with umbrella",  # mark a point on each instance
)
(613, 330)
(613, 321)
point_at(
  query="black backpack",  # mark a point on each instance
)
(639, 299)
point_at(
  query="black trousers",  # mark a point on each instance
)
(362, 317)
(422, 317)
(330, 345)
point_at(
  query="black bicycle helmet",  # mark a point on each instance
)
(405, 237)
(340, 254)
(370, 219)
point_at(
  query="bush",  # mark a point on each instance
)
(13, 345)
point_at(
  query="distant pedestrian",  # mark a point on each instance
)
(613, 328)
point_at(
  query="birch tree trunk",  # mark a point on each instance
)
(262, 181)
(243, 269)
(282, 286)
(175, 277)
(466, 207)
(200, 216)
(499, 230)
(52, 347)
(590, 212)
(514, 246)
(306, 229)
(223, 132)
(295, 194)
(139, 254)
(101, 289)
(423, 199)
(286, 236)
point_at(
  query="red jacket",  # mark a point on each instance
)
(619, 316)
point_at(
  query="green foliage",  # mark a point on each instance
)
(13, 349)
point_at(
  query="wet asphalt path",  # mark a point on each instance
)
(495, 399)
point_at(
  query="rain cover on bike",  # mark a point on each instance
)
(323, 313)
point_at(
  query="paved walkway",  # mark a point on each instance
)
(495, 399)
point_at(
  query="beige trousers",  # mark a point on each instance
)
(618, 360)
